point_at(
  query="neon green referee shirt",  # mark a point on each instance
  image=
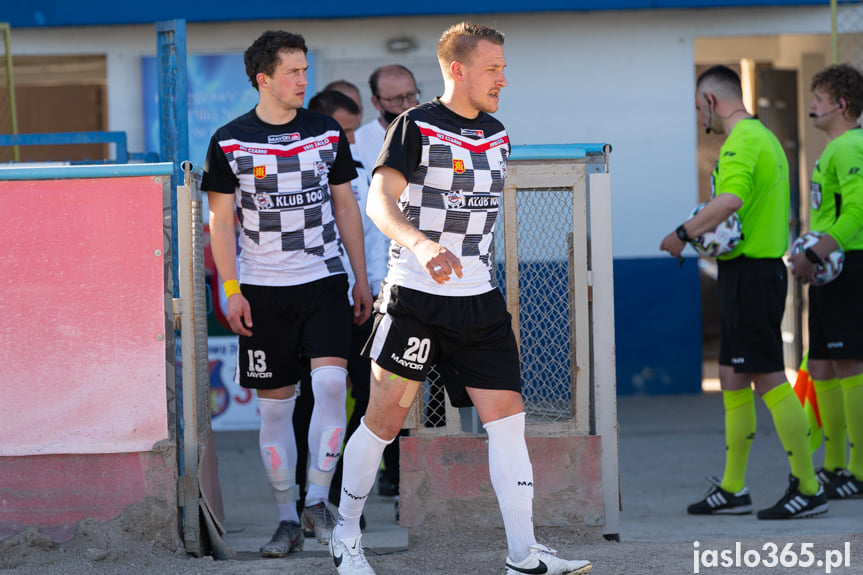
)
(752, 166)
(836, 194)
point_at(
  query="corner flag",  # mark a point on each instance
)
(805, 391)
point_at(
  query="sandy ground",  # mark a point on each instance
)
(667, 445)
(480, 554)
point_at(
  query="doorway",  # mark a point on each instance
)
(58, 94)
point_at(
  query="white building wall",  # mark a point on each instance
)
(621, 77)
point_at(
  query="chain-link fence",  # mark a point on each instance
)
(544, 216)
(847, 27)
(544, 229)
(8, 124)
(545, 234)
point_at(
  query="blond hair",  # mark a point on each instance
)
(458, 42)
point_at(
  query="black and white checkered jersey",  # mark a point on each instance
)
(281, 176)
(455, 168)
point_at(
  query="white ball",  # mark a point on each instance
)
(832, 264)
(721, 240)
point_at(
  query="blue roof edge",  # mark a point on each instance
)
(556, 151)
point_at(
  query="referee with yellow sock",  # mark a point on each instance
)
(751, 179)
(836, 308)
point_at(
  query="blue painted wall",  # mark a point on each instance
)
(657, 323)
(38, 13)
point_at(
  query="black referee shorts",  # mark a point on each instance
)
(836, 313)
(751, 303)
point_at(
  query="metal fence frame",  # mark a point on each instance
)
(583, 171)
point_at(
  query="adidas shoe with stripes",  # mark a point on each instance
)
(795, 505)
(721, 502)
(840, 484)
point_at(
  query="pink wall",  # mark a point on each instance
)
(82, 335)
(446, 476)
(54, 492)
(82, 352)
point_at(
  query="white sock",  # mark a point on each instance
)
(359, 468)
(326, 429)
(512, 478)
(279, 453)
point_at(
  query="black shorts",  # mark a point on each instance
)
(312, 319)
(751, 303)
(836, 313)
(359, 367)
(468, 339)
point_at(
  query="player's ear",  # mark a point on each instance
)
(456, 69)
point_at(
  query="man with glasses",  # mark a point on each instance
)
(394, 90)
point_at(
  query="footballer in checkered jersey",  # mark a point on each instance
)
(435, 192)
(455, 169)
(285, 172)
(281, 178)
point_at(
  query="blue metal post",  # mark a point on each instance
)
(173, 114)
(174, 148)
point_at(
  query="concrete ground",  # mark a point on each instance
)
(251, 518)
(667, 445)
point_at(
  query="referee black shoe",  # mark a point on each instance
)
(795, 505)
(826, 477)
(721, 502)
(840, 484)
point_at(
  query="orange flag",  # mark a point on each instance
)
(805, 391)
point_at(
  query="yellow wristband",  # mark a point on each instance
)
(231, 287)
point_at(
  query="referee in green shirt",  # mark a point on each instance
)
(750, 178)
(836, 308)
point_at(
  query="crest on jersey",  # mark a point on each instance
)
(260, 172)
(321, 168)
(263, 201)
(815, 195)
(454, 199)
(458, 166)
